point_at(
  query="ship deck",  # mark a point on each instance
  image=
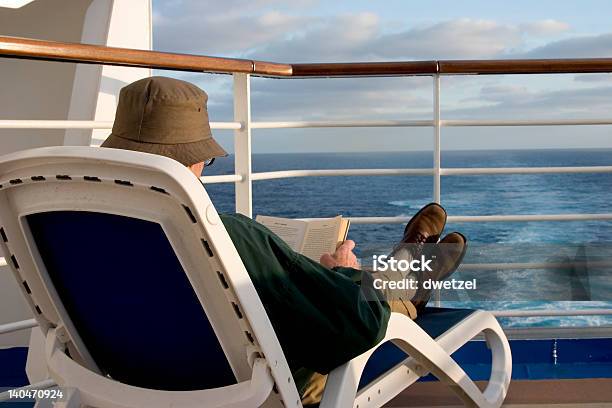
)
(592, 392)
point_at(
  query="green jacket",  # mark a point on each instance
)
(321, 316)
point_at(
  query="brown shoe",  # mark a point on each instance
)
(447, 255)
(424, 227)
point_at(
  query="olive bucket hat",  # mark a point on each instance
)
(164, 116)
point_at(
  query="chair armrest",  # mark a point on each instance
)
(89, 388)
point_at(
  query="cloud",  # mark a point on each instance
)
(208, 9)
(503, 93)
(462, 38)
(342, 98)
(279, 31)
(345, 37)
(361, 37)
(520, 102)
(606, 77)
(592, 46)
(220, 28)
(544, 27)
(322, 99)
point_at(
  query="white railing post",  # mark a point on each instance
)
(436, 154)
(242, 144)
(436, 144)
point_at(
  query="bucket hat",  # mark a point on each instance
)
(164, 116)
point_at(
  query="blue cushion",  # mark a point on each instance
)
(130, 300)
(12, 367)
(435, 321)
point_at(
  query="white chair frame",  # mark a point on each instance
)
(160, 190)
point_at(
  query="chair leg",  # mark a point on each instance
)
(428, 355)
(501, 365)
(43, 404)
(72, 399)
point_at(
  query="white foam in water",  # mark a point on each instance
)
(405, 203)
(565, 321)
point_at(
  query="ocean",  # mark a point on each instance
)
(462, 195)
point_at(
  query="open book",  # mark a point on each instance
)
(311, 238)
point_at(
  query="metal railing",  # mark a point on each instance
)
(243, 125)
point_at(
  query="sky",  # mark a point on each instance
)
(348, 31)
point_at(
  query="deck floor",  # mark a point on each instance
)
(586, 393)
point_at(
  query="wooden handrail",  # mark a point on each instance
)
(12, 47)
(95, 54)
(366, 69)
(526, 66)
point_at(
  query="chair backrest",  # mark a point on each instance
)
(126, 252)
(126, 293)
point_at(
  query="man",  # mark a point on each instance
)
(324, 314)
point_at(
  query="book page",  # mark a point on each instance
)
(291, 231)
(343, 230)
(321, 237)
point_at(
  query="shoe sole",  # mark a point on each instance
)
(460, 259)
(425, 300)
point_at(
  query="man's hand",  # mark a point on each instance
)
(343, 256)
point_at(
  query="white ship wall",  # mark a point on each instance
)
(31, 90)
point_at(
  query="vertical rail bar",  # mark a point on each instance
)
(436, 154)
(242, 144)
(436, 145)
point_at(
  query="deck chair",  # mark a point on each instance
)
(144, 301)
